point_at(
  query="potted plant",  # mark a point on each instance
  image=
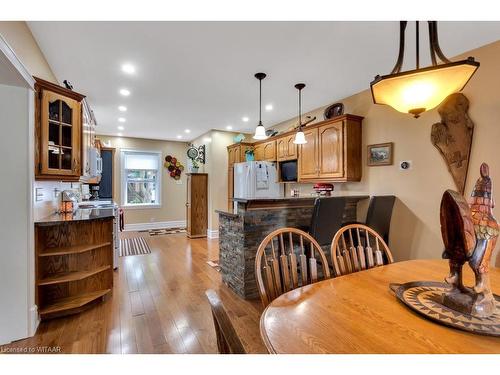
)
(194, 166)
(249, 155)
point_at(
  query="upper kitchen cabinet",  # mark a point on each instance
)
(265, 150)
(332, 152)
(236, 152)
(285, 148)
(58, 132)
(91, 147)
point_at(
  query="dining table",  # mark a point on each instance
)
(359, 313)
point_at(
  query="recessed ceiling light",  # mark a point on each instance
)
(187, 131)
(124, 92)
(128, 68)
(229, 127)
(179, 136)
(207, 139)
(122, 108)
(121, 128)
(245, 119)
(120, 134)
(121, 119)
(269, 107)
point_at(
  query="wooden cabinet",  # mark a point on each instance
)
(258, 151)
(332, 152)
(308, 159)
(285, 148)
(265, 151)
(90, 145)
(197, 205)
(74, 264)
(269, 151)
(58, 132)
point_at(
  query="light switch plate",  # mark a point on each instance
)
(39, 194)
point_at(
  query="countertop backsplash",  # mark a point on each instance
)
(48, 195)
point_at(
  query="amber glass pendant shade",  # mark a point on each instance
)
(420, 90)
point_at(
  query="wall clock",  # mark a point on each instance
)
(196, 153)
(192, 152)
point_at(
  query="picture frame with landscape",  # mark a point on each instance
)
(380, 154)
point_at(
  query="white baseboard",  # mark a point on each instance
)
(155, 225)
(34, 320)
(212, 233)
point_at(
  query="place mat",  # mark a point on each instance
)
(214, 264)
(161, 232)
(134, 246)
(425, 298)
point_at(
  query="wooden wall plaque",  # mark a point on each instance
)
(453, 137)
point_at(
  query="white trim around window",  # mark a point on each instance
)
(157, 181)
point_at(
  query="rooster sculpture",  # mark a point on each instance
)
(470, 232)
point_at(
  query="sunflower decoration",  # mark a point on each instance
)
(173, 166)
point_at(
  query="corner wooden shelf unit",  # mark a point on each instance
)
(74, 265)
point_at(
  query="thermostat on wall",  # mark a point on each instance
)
(405, 165)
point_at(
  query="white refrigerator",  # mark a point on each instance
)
(256, 179)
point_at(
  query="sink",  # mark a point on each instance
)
(86, 205)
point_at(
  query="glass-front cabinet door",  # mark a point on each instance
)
(60, 128)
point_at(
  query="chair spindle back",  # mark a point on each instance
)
(287, 259)
(352, 251)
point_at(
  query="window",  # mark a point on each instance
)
(141, 179)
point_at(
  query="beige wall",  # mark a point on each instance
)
(19, 37)
(173, 197)
(415, 229)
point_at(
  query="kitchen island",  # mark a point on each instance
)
(241, 233)
(74, 260)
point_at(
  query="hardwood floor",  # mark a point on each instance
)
(158, 305)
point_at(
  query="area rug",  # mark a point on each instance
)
(160, 232)
(134, 246)
(214, 264)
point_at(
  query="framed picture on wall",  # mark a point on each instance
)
(380, 154)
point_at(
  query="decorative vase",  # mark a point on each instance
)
(249, 157)
(194, 169)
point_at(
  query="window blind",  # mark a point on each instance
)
(134, 160)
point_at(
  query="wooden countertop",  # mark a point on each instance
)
(357, 313)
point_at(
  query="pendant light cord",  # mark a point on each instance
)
(417, 44)
(300, 86)
(300, 107)
(260, 102)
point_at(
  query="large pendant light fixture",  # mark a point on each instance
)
(260, 131)
(419, 90)
(300, 139)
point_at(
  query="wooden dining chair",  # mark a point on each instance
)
(357, 247)
(286, 259)
(228, 341)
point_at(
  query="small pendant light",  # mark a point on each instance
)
(422, 89)
(300, 139)
(260, 131)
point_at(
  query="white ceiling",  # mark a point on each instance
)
(199, 75)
